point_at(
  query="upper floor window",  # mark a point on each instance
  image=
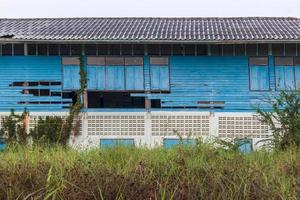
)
(287, 73)
(160, 75)
(259, 73)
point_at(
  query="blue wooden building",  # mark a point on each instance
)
(150, 79)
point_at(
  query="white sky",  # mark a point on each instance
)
(148, 8)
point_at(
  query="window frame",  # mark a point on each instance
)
(294, 73)
(269, 73)
(160, 65)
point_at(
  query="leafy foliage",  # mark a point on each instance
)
(14, 128)
(284, 119)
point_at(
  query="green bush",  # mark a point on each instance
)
(14, 129)
(284, 119)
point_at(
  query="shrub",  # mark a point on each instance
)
(284, 119)
(14, 128)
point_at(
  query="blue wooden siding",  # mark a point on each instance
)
(213, 78)
(29, 68)
(71, 77)
(192, 80)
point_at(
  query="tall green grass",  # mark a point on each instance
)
(200, 172)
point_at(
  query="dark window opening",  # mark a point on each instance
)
(166, 49)
(42, 49)
(189, 50)
(45, 83)
(177, 50)
(153, 49)
(31, 49)
(278, 49)
(216, 50)
(90, 49)
(115, 49)
(228, 50)
(53, 49)
(126, 49)
(201, 49)
(103, 49)
(6, 49)
(76, 49)
(290, 49)
(251, 49)
(70, 95)
(155, 103)
(138, 49)
(19, 49)
(32, 83)
(263, 49)
(114, 100)
(65, 50)
(239, 50)
(56, 94)
(44, 92)
(55, 83)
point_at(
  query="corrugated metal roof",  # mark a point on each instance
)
(152, 29)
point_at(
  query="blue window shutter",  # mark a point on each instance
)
(259, 77)
(285, 78)
(92, 77)
(160, 78)
(115, 78)
(71, 77)
(297, 76)
(101, 77)
(134, 78)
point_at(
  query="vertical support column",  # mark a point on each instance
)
(148, 134)
(84, 96)
(213, 125)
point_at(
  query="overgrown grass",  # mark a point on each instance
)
(200, 172)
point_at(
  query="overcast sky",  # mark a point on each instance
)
(146, 8)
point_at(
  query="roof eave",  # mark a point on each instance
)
(150, 41)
